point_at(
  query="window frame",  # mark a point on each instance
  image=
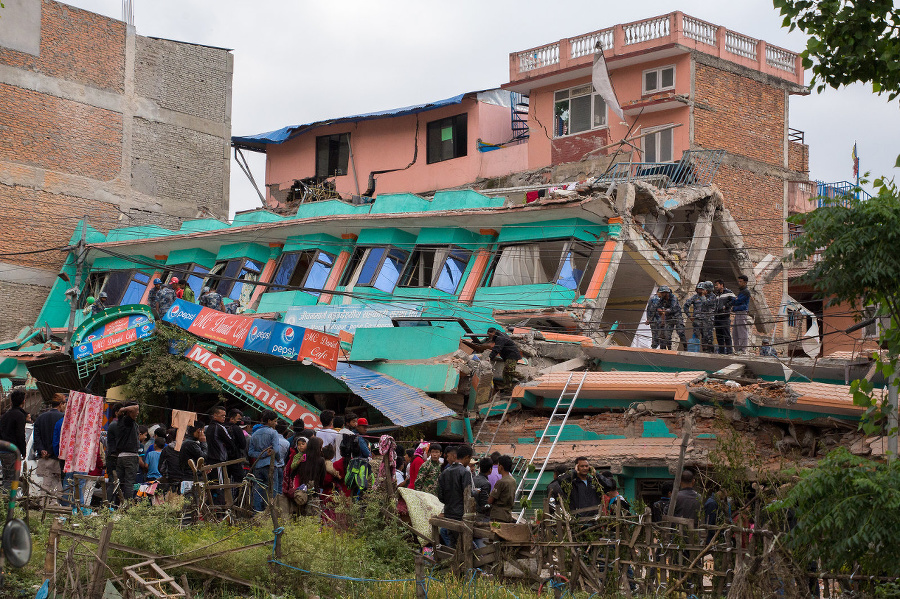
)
(653, 133)
(328, 173)
(569, 243)
(92, 288)
(216, 276)
(659, 88)
(435, 269)
(360, 259)
(594, 97)
(459, 123)
(186, 271)
(273, 288)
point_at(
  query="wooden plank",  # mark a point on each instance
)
(98, 579)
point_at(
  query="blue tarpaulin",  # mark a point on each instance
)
(400, 403)
(259, 141)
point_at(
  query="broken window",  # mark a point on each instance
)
(576, 110)
(657, 80)
(438, 267)
(193, 273)
(377, 267)
(223, 277)
(308, 269)
(122, 287)
(568, 263)
(446, 138)
(659, 144)
(332, 155)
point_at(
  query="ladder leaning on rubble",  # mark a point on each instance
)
(559, 417)
(490, 409)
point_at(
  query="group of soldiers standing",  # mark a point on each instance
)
(710, 310)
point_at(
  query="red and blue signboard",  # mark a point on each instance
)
(114, 334)
(255, 334)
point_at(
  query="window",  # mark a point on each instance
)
(332, 155)
(873, 329)
(576, 110)
(438, 267)
(446, 138)
(379, 267)
(122, 287)
(564, 262)
(193, 273)
(221, 278)
(308, 269)
(657, 80)
(658, 145)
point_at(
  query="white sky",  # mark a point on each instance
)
(302, 61)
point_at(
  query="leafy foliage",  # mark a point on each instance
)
(846, 510)
(850, 41)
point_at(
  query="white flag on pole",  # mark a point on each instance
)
(602, 84)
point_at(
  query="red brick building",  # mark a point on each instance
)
(97, 121)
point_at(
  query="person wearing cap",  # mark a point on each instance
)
(662, 316)
(153, 297)
(175, 282)
(722, 319)
(99, 304)
(508, 351)
(700, 307)
(362, 427)
(210, 299)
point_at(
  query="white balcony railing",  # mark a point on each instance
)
(740, 45)
(781, 59)
(585, 44)
(539, 57)
(644, 31)
(700, 31)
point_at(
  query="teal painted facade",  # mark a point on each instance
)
(404, 343)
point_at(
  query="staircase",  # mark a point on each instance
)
(519, 114)
(552, 431)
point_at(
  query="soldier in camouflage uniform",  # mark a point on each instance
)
(700, 308)
(210, 299)
(662, 316)
(165, 297)
(153, 297)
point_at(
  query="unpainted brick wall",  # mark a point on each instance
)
(26, 301)
(573, 147)
(78, 46)
(183, 77)
(798, 157)
(60, 135)
(177, 163)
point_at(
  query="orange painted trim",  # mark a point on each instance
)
(349, 236)
(161, 257)
(276, 245)
(334, 276)
(614, 220)
(488, 232)
(481, 262)
(264, 277)
(156, 274)
(606, 255)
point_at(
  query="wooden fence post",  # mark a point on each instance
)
(420, 577)
(96, 585)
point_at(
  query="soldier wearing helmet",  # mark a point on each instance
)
(662, 316)
(153, 297)
(210, 299)
(700, 308)
(99, 304)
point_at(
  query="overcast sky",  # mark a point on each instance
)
(297, 61)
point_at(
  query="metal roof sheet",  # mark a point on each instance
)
(400, 403)
(256, 142)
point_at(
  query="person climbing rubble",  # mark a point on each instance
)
(662, 316)
(508, 351)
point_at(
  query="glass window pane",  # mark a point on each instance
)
(561, 118)
(390, 270)
(133, 293)
(561, 95)
(115, 286)
(230, 271)
(599, 111)
(668, 77)
(141, 277)
(650, 147)
(650, 81)
(665, 145)
(581, 114)
(452, 272)
(326, 259)
(583, 90)
(370, 266)
(285, 271)
(318, 274)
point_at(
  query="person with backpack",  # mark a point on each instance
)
(359, 476)
(362, 427)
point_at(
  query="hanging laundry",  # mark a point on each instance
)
(80, 434)
(181, 420)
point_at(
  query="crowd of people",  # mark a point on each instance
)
(710, 311)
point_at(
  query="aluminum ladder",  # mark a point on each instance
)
(559, 417)
(493, 403)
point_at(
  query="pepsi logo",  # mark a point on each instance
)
(287, 335)
(257, 334)
(173, 312)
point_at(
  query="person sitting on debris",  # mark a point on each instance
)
(586, 496)
(427, 478)
(453, 485)
(263, 446)
(504, 493)
(740, 308)
(508, 352)
(700, 308)
(662, 316)
(688, 501)
(722, 321)
(210, 299)
(99, 304)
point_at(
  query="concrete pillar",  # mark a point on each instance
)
(699, 245)
(334, 276)
(156, 274)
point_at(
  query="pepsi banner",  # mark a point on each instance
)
(255, 334)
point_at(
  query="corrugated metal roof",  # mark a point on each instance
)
(400, 403)
(259, 141)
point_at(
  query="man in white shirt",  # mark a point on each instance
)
(327, 433)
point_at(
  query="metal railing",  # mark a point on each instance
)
(838, 190)
(698, 30)
(796, 135)
(696, 167)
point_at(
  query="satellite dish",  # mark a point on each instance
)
(16, 543)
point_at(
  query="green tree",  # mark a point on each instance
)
(849, 41)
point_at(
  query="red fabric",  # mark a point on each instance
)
(414, 471)
(341, 468)
(288, 484)
(531, 196)
(180, 294)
